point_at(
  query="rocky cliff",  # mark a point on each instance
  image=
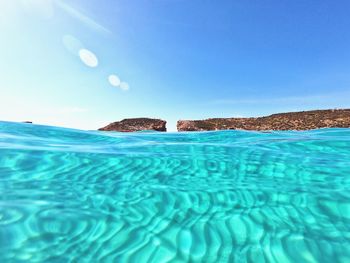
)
(304, 120)
(136, 124)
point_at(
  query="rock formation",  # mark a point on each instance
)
(304, 120)
(136, 124)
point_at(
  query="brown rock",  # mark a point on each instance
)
(136, 124)
(304, 120)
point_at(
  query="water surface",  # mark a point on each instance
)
(228, 196)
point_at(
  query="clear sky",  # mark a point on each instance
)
(85, 63)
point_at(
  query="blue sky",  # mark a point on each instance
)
(176, 59)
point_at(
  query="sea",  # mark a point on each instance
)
(222, 196)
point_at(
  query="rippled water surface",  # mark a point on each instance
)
(229, 196)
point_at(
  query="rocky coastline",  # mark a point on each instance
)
(136, 124)
(303, 120)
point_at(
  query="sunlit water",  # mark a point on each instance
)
(230, 196)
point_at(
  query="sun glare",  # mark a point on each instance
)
(41, 8)
(13, 9)
(8, 11)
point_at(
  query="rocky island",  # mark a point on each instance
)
(303, 120)
(136, 124)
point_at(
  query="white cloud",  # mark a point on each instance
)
(88, 58)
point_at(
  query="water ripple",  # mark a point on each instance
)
(228, 196)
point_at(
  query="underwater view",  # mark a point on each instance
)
(225, 196)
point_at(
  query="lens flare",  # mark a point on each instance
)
(88, 58)
(114, 80)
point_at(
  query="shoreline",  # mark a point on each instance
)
(300, 120)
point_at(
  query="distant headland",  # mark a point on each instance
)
(303, 120)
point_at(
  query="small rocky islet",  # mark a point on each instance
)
(303, 120)
(136, 124)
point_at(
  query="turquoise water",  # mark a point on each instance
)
(229, 196)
